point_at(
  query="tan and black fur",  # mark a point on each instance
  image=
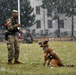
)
(51, 56)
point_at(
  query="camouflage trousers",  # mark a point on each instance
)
(13, 47)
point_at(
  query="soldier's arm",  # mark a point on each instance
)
(10, 26)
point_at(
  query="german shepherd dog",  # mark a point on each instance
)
(51, 56)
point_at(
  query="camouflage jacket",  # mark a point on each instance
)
(11, 25)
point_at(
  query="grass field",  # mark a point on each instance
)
(31, 55)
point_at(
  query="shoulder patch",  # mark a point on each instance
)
(8, 21)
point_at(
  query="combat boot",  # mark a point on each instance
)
(17, 62)
(9, 62)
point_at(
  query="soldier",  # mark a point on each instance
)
(11, 38)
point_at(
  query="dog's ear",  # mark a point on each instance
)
(45, 42)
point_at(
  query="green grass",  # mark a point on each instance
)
(32, 57)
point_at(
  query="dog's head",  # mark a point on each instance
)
(44, 43)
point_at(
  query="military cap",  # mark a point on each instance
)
(15, 11)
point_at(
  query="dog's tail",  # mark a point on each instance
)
(69, 65)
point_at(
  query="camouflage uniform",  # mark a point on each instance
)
(12, 42)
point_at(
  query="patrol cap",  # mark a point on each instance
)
(15, 11)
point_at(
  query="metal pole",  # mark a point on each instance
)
(19, 14)
(19, 11)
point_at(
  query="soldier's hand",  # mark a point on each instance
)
(20, 31)
(18, 25)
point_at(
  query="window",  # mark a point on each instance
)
(49, 23)
(38, 24)
(46, 32)
(37, 9)
(48, 13)
(61, 22)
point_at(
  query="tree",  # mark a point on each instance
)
(27, 15)
(6, 9)
(66, 7)
(70, 11)
(53, 7)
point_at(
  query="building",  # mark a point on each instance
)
(46, 27)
